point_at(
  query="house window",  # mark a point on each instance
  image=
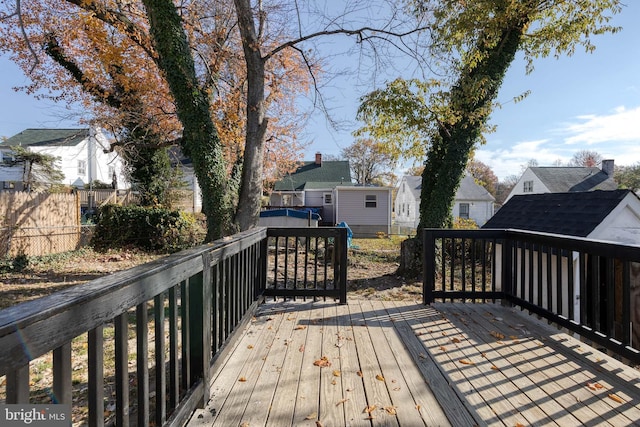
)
(8, 185)
(286, 200)
(464, 210)
(528, 187)
(328, 199)
(82, 167)
(403, 187)
(403, 210)
(370, 201)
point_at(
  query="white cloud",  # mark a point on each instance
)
(622, 125)
(614, 135)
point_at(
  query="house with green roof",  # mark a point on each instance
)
(326, 188)
(84, 157)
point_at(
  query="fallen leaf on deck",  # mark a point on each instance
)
(495, 368)
(319, 424)
(334, 382)
(418, 407)
(359, 373)
(340, 402)
(443, 348)
(301, 349)
(311, 416)
(444, 333)
(513, 337)
(242, 379)
(616, 398)
(300, 327)
(244, 424)
(595, 386)
(336, 373)
(379, 377)
(418, 333)
(497, 335)
(322, 362)
(369, 409)
(466, 362)
(455, 340)
(519, 425)
(249, 346)
(390, 410)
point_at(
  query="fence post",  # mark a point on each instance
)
(428, 266)
(342, 263)
(507, 268)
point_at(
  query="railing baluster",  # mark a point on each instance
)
(17, 388)
(626, 304)
(121, 338)
(62, 383)
(142, 366)
(96, 377)
(174, 372)
(185, 336)
(161, 377)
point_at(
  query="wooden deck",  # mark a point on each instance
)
(396, 363)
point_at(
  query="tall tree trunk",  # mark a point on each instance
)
(447, 157)
(200, 139)
(251, 181)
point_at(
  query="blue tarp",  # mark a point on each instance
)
(294, 213)
(349, 233)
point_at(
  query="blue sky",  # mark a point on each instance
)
(587, 101)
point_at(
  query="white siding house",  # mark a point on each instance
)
(366, 210)
(472, 201)
(564, 179)
(84, 157)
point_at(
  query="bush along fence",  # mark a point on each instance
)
(143, 343)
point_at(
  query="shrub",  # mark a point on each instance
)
(148, 228)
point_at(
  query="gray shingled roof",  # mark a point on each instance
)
(572, 214)
(468, 190)
(566, 179)
(313, 176)
(45, 137)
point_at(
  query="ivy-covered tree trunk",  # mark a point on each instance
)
(200, 139)
(248, 209)
(470, 100)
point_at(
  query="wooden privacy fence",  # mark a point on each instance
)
(39, 223)
(589, 287)
(148, 338)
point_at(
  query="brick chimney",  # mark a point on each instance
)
(319, 159)
(607, 167)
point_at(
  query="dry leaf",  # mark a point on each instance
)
(455, 340)
(334, 382)
(513, 337)
(418, 407)
(466, 362)
(336, 373)
(519, 425)
(444, 333)
(311, 416)
(340, 402)
(244, 424)
(359, 373)
(242, 379)
(495, 368)
(391, 410)
(249, 346)
(443, 348)
(418, 333)
(379, 377)
(497, 335)
(369, 409)
(616, 398)
(299, 328)
(319, 424)
(322, 362)
(301, 349)
(595, 386)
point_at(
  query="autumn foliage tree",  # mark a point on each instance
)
(369, 162)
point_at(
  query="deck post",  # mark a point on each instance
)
(507, 270)
(428, 266)
(342, 262)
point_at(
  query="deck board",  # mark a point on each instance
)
(409, 363)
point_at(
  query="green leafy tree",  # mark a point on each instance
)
(479, 40)
(39, 170)
(628, 177)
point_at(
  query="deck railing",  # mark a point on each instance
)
(589, 287)
(142, 342)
